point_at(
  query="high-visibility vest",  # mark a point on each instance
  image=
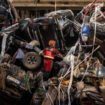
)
(49, 53)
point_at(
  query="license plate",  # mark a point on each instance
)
(13, 79)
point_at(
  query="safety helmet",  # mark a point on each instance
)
(85, 30)
(52, 43)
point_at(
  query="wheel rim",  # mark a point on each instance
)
(31, 60)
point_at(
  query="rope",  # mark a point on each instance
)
(94, 39)
(71, 79)
(47, 94)
(27, 82)
(85, 72)
(71, 76)
(98, 10)
(68, 71)
(3, 46)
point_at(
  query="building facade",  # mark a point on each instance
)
(36, 8)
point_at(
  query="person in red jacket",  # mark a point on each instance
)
(49, 55)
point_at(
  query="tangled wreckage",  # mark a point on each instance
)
(78, 79)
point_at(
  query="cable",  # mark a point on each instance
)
(85, 72)
(71, 79)
(94, 38)
(68, 71)
(27, 82)
(47, 94)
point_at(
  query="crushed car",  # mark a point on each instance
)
(57, 26)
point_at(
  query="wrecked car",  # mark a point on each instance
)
(38, 29)
(57, 26)
(17, 83)
(84, 15)
(97, 20)
(80, 79)
(8, 14)
(14, 49)
(81, 84)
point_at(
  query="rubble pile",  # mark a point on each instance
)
(75, 68)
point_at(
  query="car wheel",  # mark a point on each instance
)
(31, 60)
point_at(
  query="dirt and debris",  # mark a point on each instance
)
(71, 71)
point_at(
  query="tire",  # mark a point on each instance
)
(31, 60)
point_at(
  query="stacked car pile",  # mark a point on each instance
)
(79, 78)
(21, 67)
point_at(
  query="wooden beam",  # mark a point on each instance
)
(50, 4)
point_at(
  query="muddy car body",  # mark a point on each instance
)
(16, 85)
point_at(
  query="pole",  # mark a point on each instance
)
(55, 5)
